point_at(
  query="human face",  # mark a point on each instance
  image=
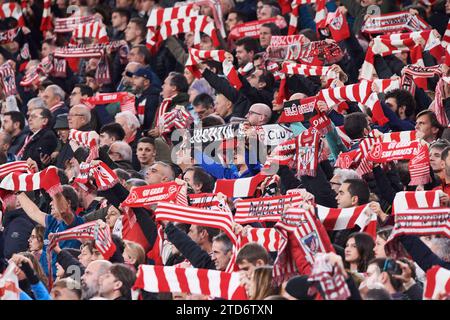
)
(59, 293)
(344, 198)
(203, 112)
(253, 79)
(206, 43)
(155, 174)
(167, 89)
(373, 275)
(76, 119)
(118, 21)
(8, 125)
(247, 267)
(222, 106)
(335, 183)
(243, 56)
(189, 178)
(447, 7)
(131, 32)
(34, 244)
(108, 284)
(106, 139)
(189, 77)
(111, 216)
(392, 104)
(89, 281)
(134, 56)
(194, 234)
(351, 251)
(220, 257)
(128, 256)
(75, 97)
(91, 82)
(139, 84)
(114, 153)
(254, 117)
(49, 98)
(85, 257)
(436, 162)
(35, 121)
(231, 21)
(264, 36)
(46, 50)
(124, 124)
(145, 153)
(379, 248)
(263, 11)
(423, 124)
(447, 167)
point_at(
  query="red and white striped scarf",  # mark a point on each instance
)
(348, 218)
(190, 24)
(104, 177)
(394, 23)
(86, 231)
(331, 279)
(239, 188)
(213, 219)
(360, 92)
(69, 24)
(437, 284)
(321, 14)
(310, 237)
(199, 56)
(418, 154)
(270, 238)
(416, 199)
(147, 195)
(46, 179)
(178, 118)
(126, 100)
(307, 70)
(16, 166)
(385, 45)
(208, 201)
(213, 283)
(95, 30)
(263, 209)
(417, 75)
(87, 139)
(437, 106)
(160, 15)
(8, 36)
(12, 10)
(308, 148)
(46, 21)
(385, 85)
(38, 73)
(162, 109)
(8, 79)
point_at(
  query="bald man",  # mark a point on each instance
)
(259, 114)
(79, 118)
(159, 172)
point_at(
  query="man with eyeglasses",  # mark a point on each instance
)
(41, 141)
(79, 92)
(259, 114)
(79, 118)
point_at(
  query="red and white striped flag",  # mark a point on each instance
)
(88, 139)
(239, 188)
(437, 284)
(47, 179)
(348, 218)
(9, 284)
(199, 56)
(96, 30)
(416, 199)
(208, 218)
(213, 283)
(12, 10)
(263, 209)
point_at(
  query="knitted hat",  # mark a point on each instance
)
(298, 288)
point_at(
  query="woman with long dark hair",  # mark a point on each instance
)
(359, 251)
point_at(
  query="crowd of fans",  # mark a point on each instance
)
(40, 118)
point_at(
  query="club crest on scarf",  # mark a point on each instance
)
(311, 242)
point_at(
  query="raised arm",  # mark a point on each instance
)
(31, 209)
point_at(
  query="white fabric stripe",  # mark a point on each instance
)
(193, 281)
(344, 218)
(234, 284)
(241, 186)
(150, 279)
(36, 181)
(172, 279)
(214, 282)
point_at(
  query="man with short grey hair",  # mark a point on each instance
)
(130, 124)
(54, 97)
(340, 175)
(160, 172)
(121, 153)
(79, 118)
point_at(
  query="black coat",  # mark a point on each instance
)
(17, 141)
(18, 227)
(151, 98)
(45, 142)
